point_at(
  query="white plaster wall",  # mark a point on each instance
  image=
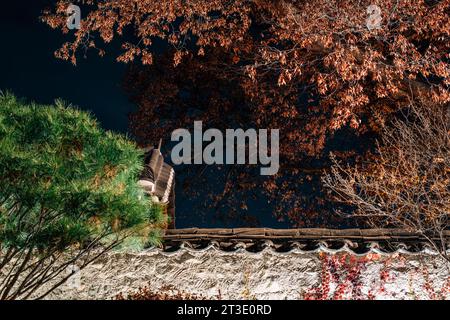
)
(263, 275)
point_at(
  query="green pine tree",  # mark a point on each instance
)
(68, 194)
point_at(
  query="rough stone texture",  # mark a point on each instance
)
(263, 275)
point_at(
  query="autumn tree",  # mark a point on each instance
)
(313, 69)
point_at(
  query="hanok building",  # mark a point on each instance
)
(158, 181)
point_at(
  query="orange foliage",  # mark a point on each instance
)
(309, 68)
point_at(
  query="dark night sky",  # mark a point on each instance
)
(29, 69)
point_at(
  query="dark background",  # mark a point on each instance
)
(29, 69)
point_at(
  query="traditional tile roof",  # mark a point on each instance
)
(158, 180)
(157, 177)
(356, 241)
